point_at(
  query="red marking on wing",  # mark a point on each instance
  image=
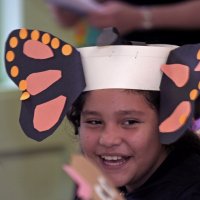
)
(40, 81)
(178, 73)
(197, 68)
(173, 122)
(46, 115)
(37, 50)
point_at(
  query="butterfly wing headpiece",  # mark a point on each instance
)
(45, 69)
(49, 72)
(179, 88)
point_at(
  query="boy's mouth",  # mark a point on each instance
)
(115, 160)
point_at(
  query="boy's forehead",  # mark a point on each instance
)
(123, 99)
(124, 66)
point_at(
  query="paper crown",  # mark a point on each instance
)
(51, 74)
(124, 66)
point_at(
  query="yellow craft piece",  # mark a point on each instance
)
(55, 43)
(66, 49)
(10, 56)
(13, 42)
(35, 35)
(198, 55)
(182, 119)
(14, 72)
(23, 85)
(46, 38)
(194, 94)
(25, 96)
(23, 33)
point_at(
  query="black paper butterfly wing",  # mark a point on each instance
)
(49, 73)
(180, 88)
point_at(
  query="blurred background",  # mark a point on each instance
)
(30, 170)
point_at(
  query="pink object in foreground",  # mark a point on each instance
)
(84, 190)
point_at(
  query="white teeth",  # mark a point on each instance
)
(111, 157)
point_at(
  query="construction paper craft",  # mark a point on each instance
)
(36, 82)
(174, 69)
(51, 74)
(87, 175)
(179, 88)
(45, 69)
(124, 66)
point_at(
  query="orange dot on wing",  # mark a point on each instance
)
(55, 43)
(35, 35)
(10, 56)
(182, 119)
(23, 85)
(46, 38)
(23, 33)
(14, 72)
(198, 55)
(24, 96)
(194, 94)
(66, 49)
(13, 42)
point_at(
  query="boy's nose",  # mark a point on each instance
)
(110, 136)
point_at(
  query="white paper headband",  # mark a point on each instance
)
(127, 66)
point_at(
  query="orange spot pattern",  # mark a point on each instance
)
(35, 35)
(198, 55)
(66, 49)
(23, 34)
(13, 42)
(55, 43)
(25, 96)
(46, 39)
(23, 85)
(194, 94)
(182, 119)
(14, 72)
(10, 56)
(180, 115)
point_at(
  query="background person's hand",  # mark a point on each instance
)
(117, 14)
(64, 17)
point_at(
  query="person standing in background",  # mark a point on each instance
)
(156, 21)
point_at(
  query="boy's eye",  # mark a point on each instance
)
(94, 122)
(130, 122)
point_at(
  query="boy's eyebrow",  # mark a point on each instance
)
(89, 112)
(128, 112)
(120, 112)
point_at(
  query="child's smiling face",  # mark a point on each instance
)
(119, 132)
